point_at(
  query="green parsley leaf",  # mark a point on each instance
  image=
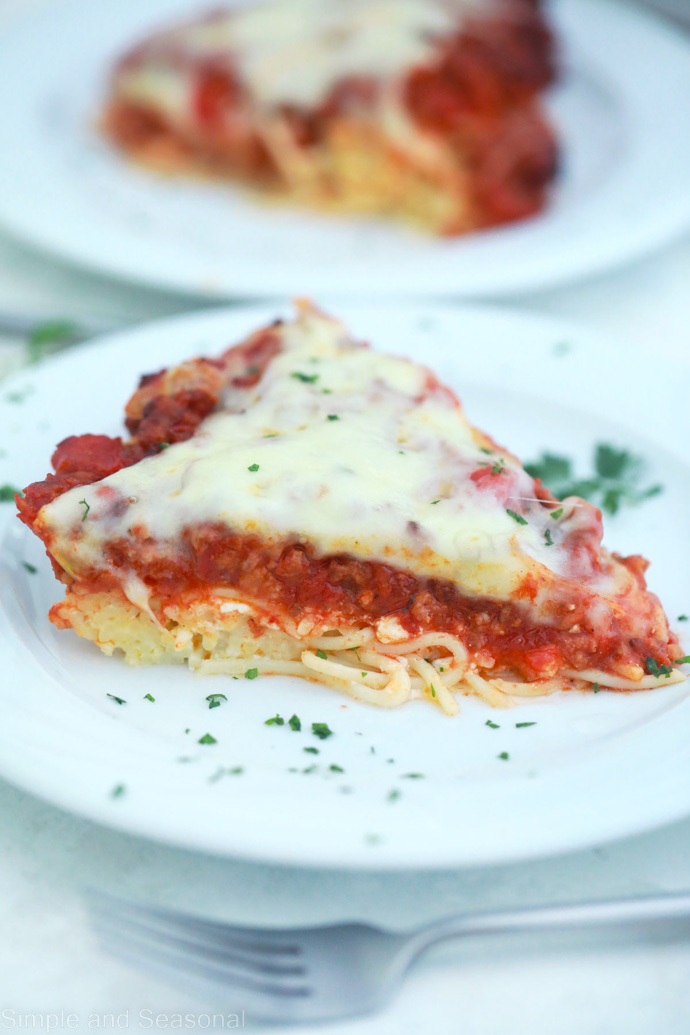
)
(307, 379)
(393, 795)
(207, 739)
(516, 517)
(322, 654)
(504, 756)
(294, 723)
(311, 751)
(149, 697)
(333, 416)
(434, 502)
(336, 769)
(253, 467)
(251, 673)
(88, 508)
(433, 692)
(682, 618)
(321, 730)
(555, 514)
(309, 769)
(413, 776)
(493, 725)
(215, 699)
(49, 336)
(498, 467)
(547, 536)
(163, 445)
(596, 688)
(521, 725)
(118, 700)
(277, 720)
(657, 670)
(614, 483)
(118, 790)
(682, 661)
(29, 567)
(550, 468)
(8, 492)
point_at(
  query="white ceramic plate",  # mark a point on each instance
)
(621, 111)
(594, 767)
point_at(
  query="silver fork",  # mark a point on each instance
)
(311, 974)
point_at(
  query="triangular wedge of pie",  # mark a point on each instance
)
(306, 505)
(425, 110)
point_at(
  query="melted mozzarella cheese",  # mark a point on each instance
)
(294, 51)
(357, 452)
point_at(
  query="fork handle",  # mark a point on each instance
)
(581, 916)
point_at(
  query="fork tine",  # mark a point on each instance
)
(193, 942)
(146, 948)
(260, 940)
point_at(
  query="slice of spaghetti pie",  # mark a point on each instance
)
(306, 505)
(428, 110)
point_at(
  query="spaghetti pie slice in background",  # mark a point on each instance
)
(305, 505)
(424, 110)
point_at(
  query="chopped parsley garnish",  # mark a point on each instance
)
(613, 483)
(49, 337)
(504, 756)
(8, 492)
(434, 502)
(207, 739)
(88, 508)
(493, 725)
(547, 536)
(307, 379)
(356, 654)
(118, 700)
(336, 769)
(118, 791)
(326, 391)
(29, 567)
(433, 692)
(363, 674)
(657, 670)
(413, 776)
(253, 467)
(393, 795)
(294, 723)
(225, 771)
(321, 730)
(498, 467)
(322, 654)
(516, 517)
(333, 416)
(596, 688)
(163, 445)
(521, 725)
(277, 720)
(682, 618)
(311, 751)
(483, 449)
(683, 661)
(309, 769)
(215, 699)
(555, 514)
(251, 673)
(149, 697)
(20, 396)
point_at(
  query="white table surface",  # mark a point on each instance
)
(49, 962)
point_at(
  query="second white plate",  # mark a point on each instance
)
(624, 189)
